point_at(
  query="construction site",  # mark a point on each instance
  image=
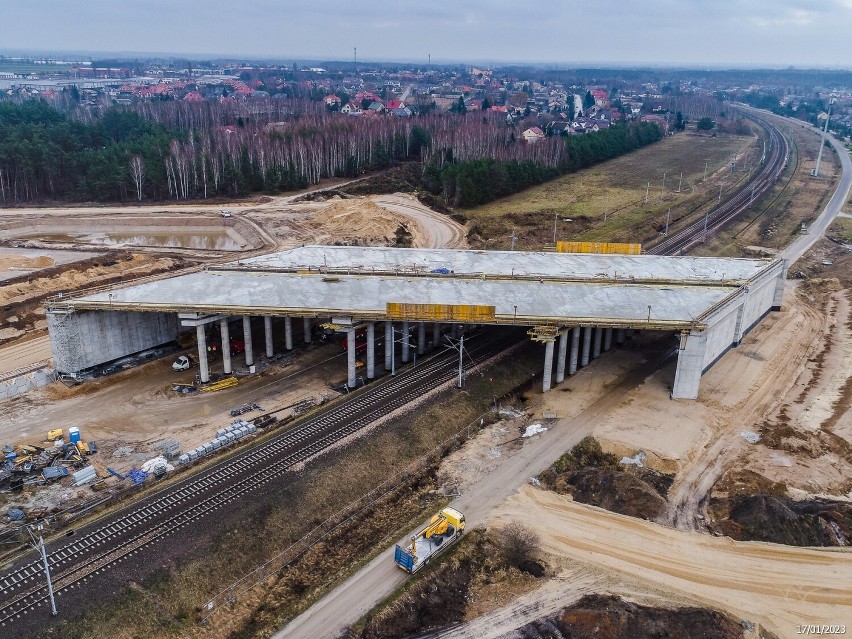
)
(215, 371)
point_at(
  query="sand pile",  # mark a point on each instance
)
(19, 261)
(358, 221)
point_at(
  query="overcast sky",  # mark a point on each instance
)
(681, 32)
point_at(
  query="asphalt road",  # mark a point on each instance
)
(818, 227)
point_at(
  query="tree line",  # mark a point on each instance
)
(470, 182)
(185, 151)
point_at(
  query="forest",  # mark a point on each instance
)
(183, 151)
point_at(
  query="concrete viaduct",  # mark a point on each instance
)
(577, 304)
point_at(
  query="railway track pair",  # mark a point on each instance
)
(177, 506)
(684, 239)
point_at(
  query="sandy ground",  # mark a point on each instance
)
(15, 262)
(137, 408)
(370, 220)
(775, 586)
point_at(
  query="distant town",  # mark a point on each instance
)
(548, 101)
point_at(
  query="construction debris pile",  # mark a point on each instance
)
(48, 461)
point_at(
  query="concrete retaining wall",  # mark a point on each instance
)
(82, 339)
(26, 381)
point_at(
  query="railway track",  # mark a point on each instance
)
(166, 511)
(776, 155)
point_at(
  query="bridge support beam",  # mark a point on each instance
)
(607, 340)
(587, 345)
(575, 350)
(226, 345)
(288, 333)
(389, 345)
(596, 345)
(307, 325)
(267, 333)
(619, 336)
(371, 350)
(247, 340)
(203, 366)
(405, 341)
(421, 338)
(548, 366)
(436, 335)
(350, 357)
(560, 360)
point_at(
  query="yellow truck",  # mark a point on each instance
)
(441, 531)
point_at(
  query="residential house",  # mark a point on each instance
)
(533, 134)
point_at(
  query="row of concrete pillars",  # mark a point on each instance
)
(225, 331)
(594, 340)
(391, 337)
(390, 341)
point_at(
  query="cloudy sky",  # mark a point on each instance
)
(682, 32)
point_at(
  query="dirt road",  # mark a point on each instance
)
(775, 586)
(441, 231)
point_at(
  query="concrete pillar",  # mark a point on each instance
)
(628, 333)
(421, 338)
(267, 331)
(306, 329)
(350, 358)
(778, 297)
(204, 368)
(587, 346)
(436, 335)
(596, 344)
(247, 340)
(288, 333)
(619, 336)
(548, 366)
(226, 345)
(575, 350)
(560, 360)
(690, 365)
(388, 344)
(371, 350)
(607, 342)
(405, 339)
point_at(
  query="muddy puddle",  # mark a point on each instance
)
(211, 240)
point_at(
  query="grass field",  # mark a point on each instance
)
(29, 67)
(841, 228)
(607, 202)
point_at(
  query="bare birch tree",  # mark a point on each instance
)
(137, 174)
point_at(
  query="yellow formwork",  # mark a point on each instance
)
(618, 248)
(440, 312)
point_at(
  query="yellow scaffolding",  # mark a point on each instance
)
(470, 313)
(599, 247)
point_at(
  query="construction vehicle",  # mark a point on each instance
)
(441, 531)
